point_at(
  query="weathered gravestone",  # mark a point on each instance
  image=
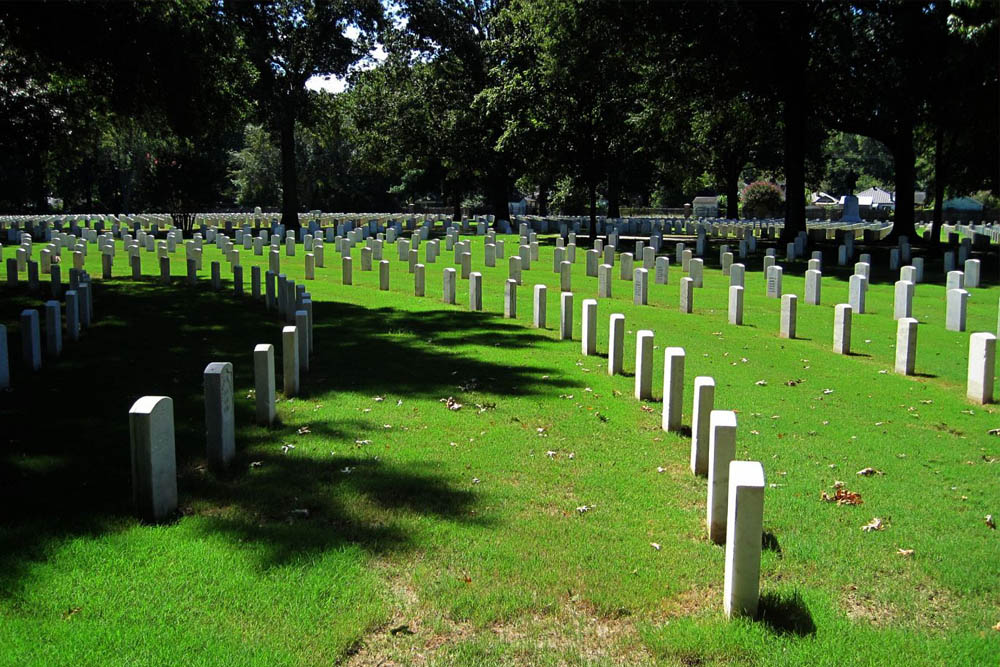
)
(153, 458)
(644, 365)
(220, 430)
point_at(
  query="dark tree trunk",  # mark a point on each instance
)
(794, 115)
(38, 179)
(939, 171)
(905, 168)
(289, 175)
(592, 190)
(497, 194)
(456, 207)
(795, 181)
(614, 195)
(733, 193)
(543, 199)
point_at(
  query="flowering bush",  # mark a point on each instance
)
(761, 200)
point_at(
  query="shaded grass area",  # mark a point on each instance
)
(463, 526)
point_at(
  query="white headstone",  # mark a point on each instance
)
(789, 312)
(290, 360)
(906, 345)
(744, 528)
(154, 462)
(982, 367)
(220, 432)
(673, 388)
(263, 371)
(704, 403)
(588, 334)
(842, 329)
(566, 316)
(721, 450)
(644, 365)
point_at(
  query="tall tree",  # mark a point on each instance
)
(568, 84)
(454, 39)
(288, 42)
(886, 103)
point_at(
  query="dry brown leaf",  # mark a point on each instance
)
(842, 497)
(874, 524)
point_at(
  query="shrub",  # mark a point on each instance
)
(761, 200)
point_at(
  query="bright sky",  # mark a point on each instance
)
(336, 84)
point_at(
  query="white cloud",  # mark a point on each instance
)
(336, 84)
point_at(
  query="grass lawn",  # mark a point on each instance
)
(438, 536)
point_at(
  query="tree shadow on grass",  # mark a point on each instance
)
(65, 464)
(786, 613)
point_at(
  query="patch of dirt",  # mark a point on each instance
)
(573, 627)
(693, 602)
(935, 609)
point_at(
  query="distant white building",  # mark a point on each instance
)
(823, 199)
(876, 197)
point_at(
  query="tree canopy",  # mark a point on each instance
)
(585, 107)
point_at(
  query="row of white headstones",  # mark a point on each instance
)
(732, 484)
(728, 480)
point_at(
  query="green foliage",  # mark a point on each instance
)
(854, 162)
(255, 169)
(761, 200)
(568, 197)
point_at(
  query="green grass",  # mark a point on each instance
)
(452, 537)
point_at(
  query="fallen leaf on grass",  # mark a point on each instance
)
(761, 383)
(475, 480)
(904, 552)
(868, 472)
(827, 391)
(874, 524)
(645, 408)
(997, 627)
(660, 469)
(70, 613)
(551, 454)
(285, 448)
(584, 508)
(303, 430)
(483, 407)
(451, 403)
(842, 497)
(378, 399)
(655, 545)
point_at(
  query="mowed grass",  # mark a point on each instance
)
(454, 536)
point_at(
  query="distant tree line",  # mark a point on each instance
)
(588, 106)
